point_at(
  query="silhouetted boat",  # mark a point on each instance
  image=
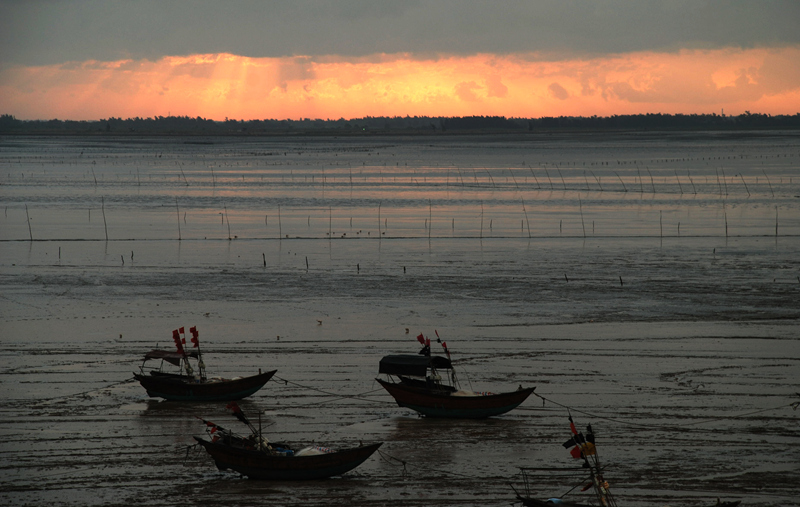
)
(256, 458)
(582, 447)
(188, 386)
(420, 387)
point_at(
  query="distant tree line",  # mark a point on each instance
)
(185, 125)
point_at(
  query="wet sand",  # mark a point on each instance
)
(681, 349)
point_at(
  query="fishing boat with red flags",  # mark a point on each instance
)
(190, 382)
(591, 477)
(582, 447)
(428, 385)
(256, 457)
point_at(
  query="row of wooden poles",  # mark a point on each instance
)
(428, 221)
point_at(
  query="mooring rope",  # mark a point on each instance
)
(336, 396)
(66, 396)
(794, 406)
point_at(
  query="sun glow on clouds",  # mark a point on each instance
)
(522, 85)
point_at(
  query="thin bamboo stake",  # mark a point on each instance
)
(30, 232)
(624, 189)
(776, 222)
(526, 217)
(513, 178)
(535, 178)
(694, 189)
(481, 220)
(430, 218)
(580, 205)
(768, 182)
(725, 214)
(548, 177)
(745, 184)
(178, 211)
(103, 208)
(562, 177)
(723, 180)
(652, 182)
(679, 181)
(598, 180)
(228, 221)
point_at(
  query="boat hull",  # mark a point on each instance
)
(445, 405)
(258, 465)
(177, 388)
(535, 502)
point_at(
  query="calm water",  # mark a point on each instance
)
(649, 282)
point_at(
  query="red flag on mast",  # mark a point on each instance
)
(176, 337)
(421, 339)
(195, 336)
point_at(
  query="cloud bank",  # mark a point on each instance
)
(515, 85)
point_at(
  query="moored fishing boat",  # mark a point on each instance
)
(582, 446)
(419, 386)
(188, 384)
(257, 458)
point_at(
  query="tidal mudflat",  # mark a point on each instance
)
(646, 282)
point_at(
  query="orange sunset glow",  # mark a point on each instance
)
(223, 85)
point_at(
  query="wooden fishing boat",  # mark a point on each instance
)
(583, 448)
(417, 384)
(262, 464)
(257, 458)
(186, 385)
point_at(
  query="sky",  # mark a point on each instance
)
(246, 59)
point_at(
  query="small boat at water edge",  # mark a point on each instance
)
(257, 458)
(582, 447)
(420, 387)
(186, 385)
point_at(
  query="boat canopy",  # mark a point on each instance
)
(415, 366)
(168, 356)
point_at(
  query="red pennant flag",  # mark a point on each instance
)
(421, 339)
(195, 336)
(182, 331)
(575, 452)
(572, 426)
(177, 339)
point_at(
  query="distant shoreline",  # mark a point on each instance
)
(401, 126)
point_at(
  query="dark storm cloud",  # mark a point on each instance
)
(46, 32)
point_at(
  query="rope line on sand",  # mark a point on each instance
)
(47, 400)
(794, 406)
(388, 458)
(336, 396)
